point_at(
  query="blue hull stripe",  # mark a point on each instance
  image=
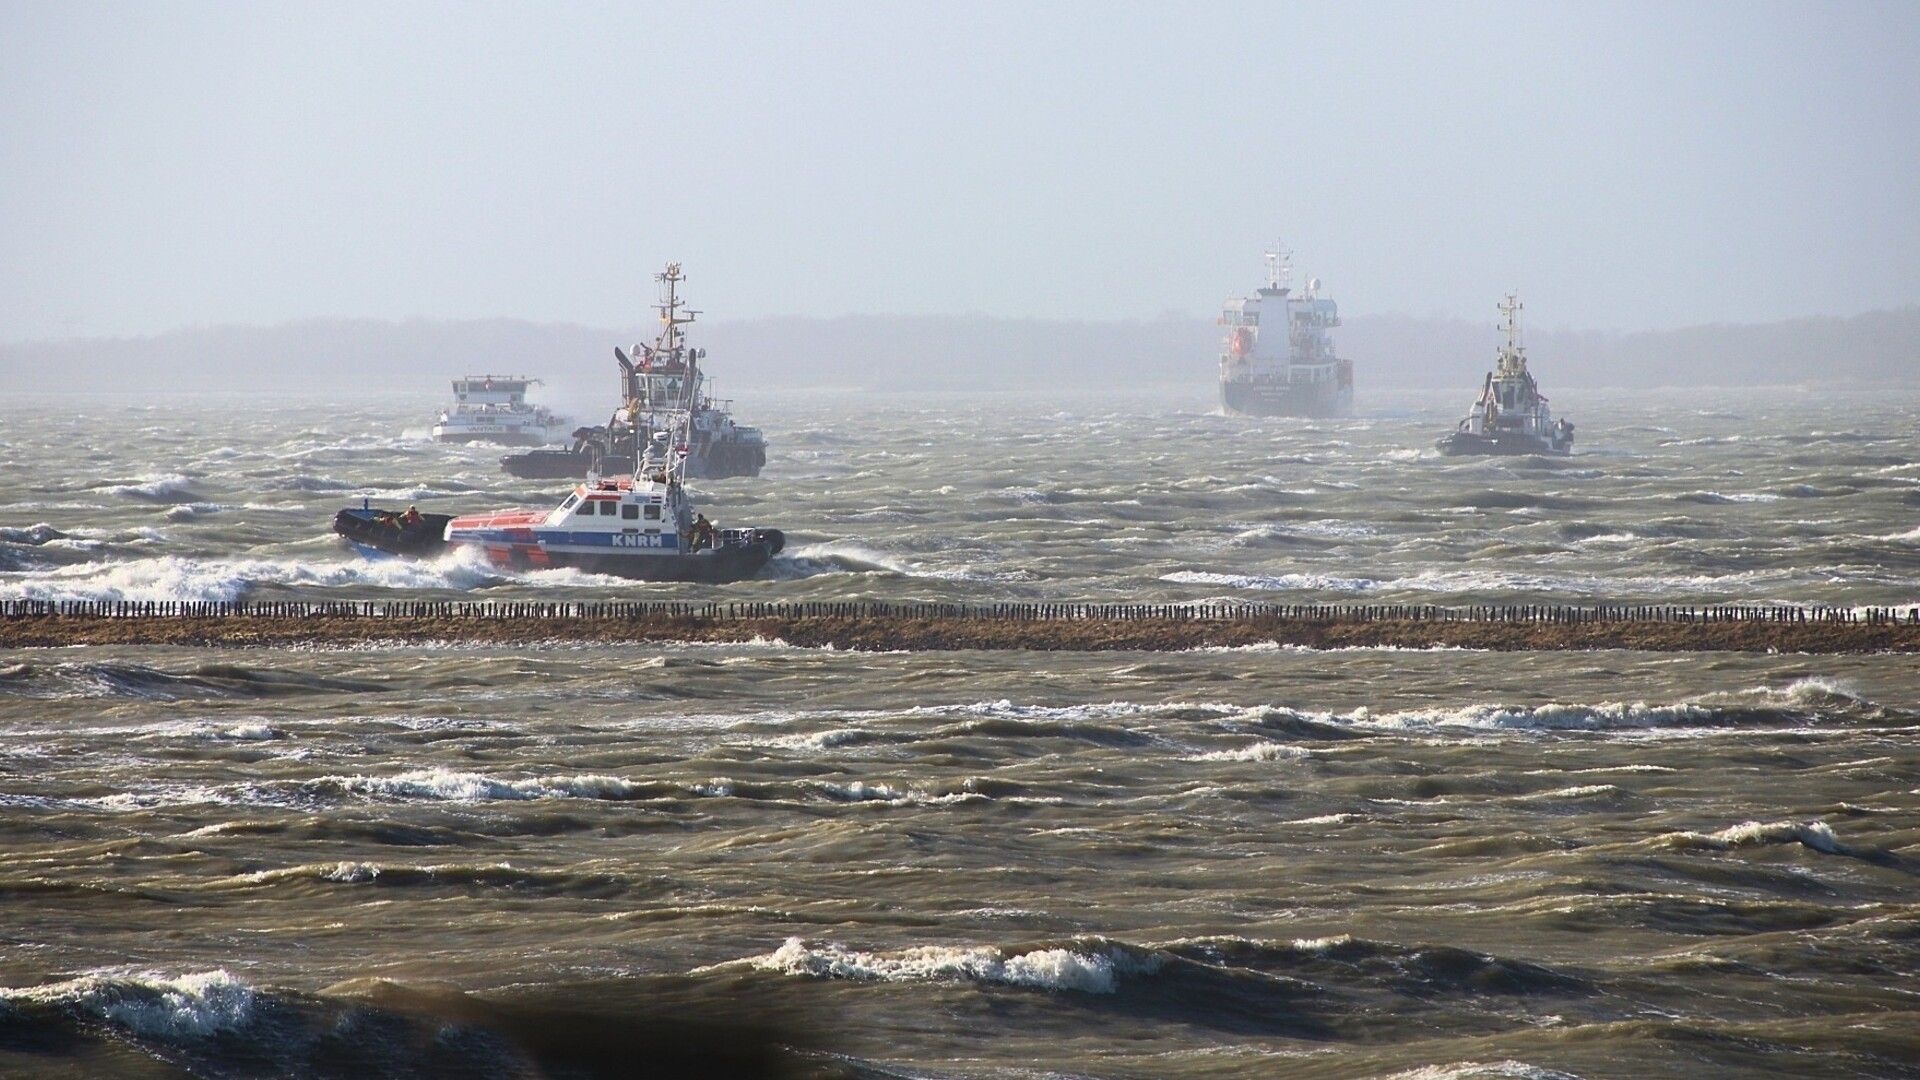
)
(562, 540)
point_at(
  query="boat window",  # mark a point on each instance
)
(586, 510)
(571, 499)
(607, 508)
(629, 512)
(653, 512)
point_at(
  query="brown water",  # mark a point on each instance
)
(1227, 863)
(1218, 863)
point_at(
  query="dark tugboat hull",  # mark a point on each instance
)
(741, 554)
(1249, 397)
(498, 438)
(726, 459)
(1508, 444)
(550, 464)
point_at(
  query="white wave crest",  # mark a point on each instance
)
(809, 560)
(149, 1003)
(173, 577)
(453, 786)
(1483, 1070)
(1275, 582)
(819, 740)
(1582, 791)
(167, 487)
(1815, 690)
(862, 791)
(1554, 717)
(1264, 751)
(353, 873)
(1095, 972)
(1817, 835)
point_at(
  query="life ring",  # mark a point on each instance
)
(1240, 342)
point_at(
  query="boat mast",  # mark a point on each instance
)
(1513, 355)
(671, 347)
(1279, 268)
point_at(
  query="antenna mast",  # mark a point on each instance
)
(1279, 267)
(1513, 357)
(671, 347)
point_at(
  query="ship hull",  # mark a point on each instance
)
(1500, 444)
(523, 437)
(743, 554)
(550, 464)
(1273, 398)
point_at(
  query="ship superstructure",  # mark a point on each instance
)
(1278, 357)
(494, 408)
(665, 380)
(660, 384)
(1512, 415)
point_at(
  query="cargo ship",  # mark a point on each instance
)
(1278, 359)
(1512, 416)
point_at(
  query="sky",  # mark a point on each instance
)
(1625, 166)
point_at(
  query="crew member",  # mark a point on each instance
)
(411, 519)
(702, 532)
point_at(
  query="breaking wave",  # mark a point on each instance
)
(811, 560)
(161, 488)
(455, 786)
(1817, 835)
(1087, 971)
(148, 1003)
(181, 578)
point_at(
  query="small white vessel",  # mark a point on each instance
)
(494, 409)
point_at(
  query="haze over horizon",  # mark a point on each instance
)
(1627, 167)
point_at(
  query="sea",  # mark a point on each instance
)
(421, 858)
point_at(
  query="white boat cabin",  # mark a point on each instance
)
(625, 505)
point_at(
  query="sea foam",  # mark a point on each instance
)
(150, 1003)
(1088, 972)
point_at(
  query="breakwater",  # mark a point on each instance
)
(883, 625)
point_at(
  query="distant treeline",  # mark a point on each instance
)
(1879, 349)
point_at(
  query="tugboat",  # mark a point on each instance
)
(1283, 374)
(655, 388)
(494, 408)
(1512, 416)
(640, 526)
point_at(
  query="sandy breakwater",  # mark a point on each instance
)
(1066, 628)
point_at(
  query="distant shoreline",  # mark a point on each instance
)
(933, 634)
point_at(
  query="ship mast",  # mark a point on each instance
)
(671, 347)
(1513, 355)
(1279, 268)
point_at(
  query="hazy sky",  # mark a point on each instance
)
(1626, 166)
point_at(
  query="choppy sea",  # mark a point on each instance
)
(413, 860)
